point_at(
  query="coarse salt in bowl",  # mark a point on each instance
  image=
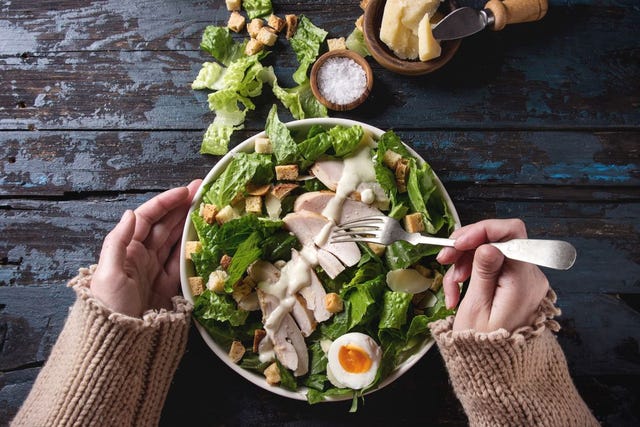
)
(341, 79)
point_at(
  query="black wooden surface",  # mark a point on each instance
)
(540, 121)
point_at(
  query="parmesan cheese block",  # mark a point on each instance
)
(400, 26)
(429, 47)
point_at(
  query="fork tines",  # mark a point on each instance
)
(358, 230)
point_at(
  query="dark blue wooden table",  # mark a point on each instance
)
(540, 121)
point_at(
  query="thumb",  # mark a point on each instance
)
(487, 265)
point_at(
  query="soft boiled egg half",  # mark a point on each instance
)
(353, 361)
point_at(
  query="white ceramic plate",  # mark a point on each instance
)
(187, 269)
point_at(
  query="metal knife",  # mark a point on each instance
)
(466, 21)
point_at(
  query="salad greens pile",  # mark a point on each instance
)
(235, 78)
(395, 320)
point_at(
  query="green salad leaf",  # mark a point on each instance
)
(217, 41)
(306, 44)
(285, 148)
(257, 8)
(209, 77)
(248, 251)
(220, 307)
(355, 42)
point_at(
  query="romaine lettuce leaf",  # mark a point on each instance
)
(402, 254)
(394, 310)
(299, 100)
(248, 251)
(219, 43)
(306, 44)
(219, 307)
(257, 8)
(209, 77)
(287, 380)
(244, 168)
(355, 42)
(285, 148)
(345, 139)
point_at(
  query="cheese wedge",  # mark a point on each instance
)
(429, 47)
(415, 10)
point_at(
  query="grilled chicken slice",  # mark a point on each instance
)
(316, 201)
(328, 172)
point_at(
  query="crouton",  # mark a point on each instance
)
(226, 214)
(253, 46)
(258, 190)
(335, 44)
(225, 262)
(253, 204)
(364, 4)
(191, 248)
(272, 374)
(413, 223)
(283, 190)
(391, 159)
(360, 22)
(241, 290)
(258, 334)
(253, 27)
(333, 303)
(236, 351)
(276, 23)
(437, 282)
(426, 272)
(267, 36)
(208, 212)
(263, 146)
(402, 175)
(233, 5)
(196, 284)
(287, 172)
(377, 248)
(236, 22)
(292, 25)
(216, 282)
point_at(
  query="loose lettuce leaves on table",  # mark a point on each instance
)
(355, 42)
(299, 100)
(219, 43)
(257, 8)
(306, 44)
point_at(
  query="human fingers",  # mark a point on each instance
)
(114, 247)
(475, 309)
(449, 255)
(491, 230)
(156, 208)
(173, 239)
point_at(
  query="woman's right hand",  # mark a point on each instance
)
(502, 293)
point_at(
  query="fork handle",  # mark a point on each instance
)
(417, 238)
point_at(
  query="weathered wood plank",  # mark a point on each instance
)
(527, 79)
(45, 242)
(52, 163)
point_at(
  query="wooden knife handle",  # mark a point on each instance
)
(516, 11)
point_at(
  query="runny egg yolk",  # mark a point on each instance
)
(354, 359)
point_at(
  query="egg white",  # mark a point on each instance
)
(338, 376)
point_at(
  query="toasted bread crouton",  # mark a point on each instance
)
(267, 36)
(282, 190)
(196, 284)
(364, 4)
(208, 212)
(253, 27)
(333, 303)
(253, 204)
(258, 335)
(236, 351)
(292, 25)
(233, 5)
(335, 44)
(225, 262)
(402, 175)
(216, 282)
(424, 271)
(391, 159)
(413, 223)
(241, 290)
(286, 172)
(276, 23)
(258, 190)
(226, 214)
(360, 22)
(437, 281)
(236, 22)
(272, 374)
(191, 247)
(263, 146)
(377, 248)
(253, 46)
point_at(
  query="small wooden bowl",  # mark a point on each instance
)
(385, 57)
(344, 53)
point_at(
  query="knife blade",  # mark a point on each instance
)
(466, 21)
(462, 22)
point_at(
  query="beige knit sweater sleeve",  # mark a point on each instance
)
(513, 379)
(107, 369)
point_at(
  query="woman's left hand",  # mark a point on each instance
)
(139, 267)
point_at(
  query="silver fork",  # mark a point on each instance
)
(385, 230)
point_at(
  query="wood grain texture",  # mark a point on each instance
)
(539, 121)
